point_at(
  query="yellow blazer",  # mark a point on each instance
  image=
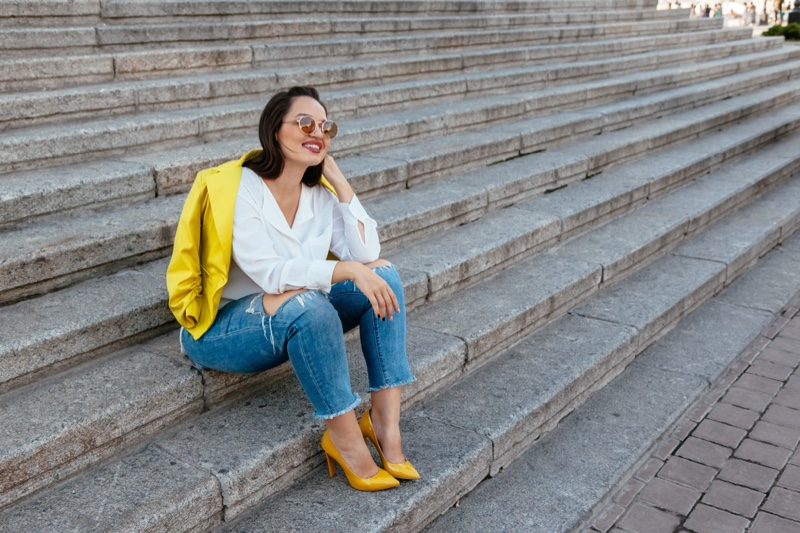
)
(201, 256)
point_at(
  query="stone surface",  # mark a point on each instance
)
(82, 416)
(128, 493)
(97, 313)
(653, 298)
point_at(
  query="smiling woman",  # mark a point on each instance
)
(252, 286)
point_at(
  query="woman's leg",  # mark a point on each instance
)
(309, 328)
(238, 341)
(383, 343)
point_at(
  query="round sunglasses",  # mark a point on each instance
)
(307, 125)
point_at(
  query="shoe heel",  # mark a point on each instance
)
(331, 465)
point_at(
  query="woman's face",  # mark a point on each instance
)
(298, 148)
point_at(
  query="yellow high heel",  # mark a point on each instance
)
(398, 470)
(380, 481)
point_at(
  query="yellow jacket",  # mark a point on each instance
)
(201, 256)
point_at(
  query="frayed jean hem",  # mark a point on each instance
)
(339, 413)
(412, 379)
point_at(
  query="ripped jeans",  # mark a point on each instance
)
(308, 330)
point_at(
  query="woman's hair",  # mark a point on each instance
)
(269, 164)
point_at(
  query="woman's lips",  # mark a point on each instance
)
(314, 146)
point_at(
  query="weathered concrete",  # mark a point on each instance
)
(127, 494)
(59, 426)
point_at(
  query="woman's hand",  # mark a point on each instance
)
(337, 180)
(380, 295)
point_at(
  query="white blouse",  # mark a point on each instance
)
(269, 256)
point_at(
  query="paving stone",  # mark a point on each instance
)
(783, 416)
(628, 492)
(790, 478)
(788, 398)
(646, 519)
(770, 370)
(737, 500)
(734, 416)
(705, 519)
(704, 452)
(607, 518)
(769, 523)
(747, 399)
(669, 496)
(775, 434)
(783, 502)
(748, 474)
(649, 469)
(787, 345)
(719, 433)
(758, 383)
(688, 473)
(781, 357)
(762, 453)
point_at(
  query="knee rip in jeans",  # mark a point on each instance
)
(255, 308)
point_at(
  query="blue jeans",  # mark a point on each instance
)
(308, 330)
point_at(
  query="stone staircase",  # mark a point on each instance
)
(560, 184)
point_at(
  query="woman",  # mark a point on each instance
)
(250, 282)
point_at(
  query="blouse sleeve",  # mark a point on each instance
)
(254, 252)
(346, 240)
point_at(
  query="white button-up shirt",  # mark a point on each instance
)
(270, 256)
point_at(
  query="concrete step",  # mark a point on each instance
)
(91, 101)
(434, 370)
(66, 40)
(30, 73)
(460, 436)
(117, 137)
(257, 446)
(54, 252)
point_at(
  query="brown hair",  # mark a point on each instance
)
(269, 164)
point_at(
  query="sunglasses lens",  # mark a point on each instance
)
(307, 125)
(330, 128)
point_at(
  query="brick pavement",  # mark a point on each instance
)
(732, 463)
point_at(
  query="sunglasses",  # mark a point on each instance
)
(307, 125)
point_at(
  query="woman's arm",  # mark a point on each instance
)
(355, 234)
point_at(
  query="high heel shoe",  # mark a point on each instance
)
(399, 470)
(380, 481)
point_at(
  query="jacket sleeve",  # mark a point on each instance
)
(184, 278)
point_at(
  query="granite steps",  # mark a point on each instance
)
(48, 71)
(81, 140)
(682, 280)
(38, 192)
(74, 40)
(21, 109)
(128, 412)
(68, 249)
